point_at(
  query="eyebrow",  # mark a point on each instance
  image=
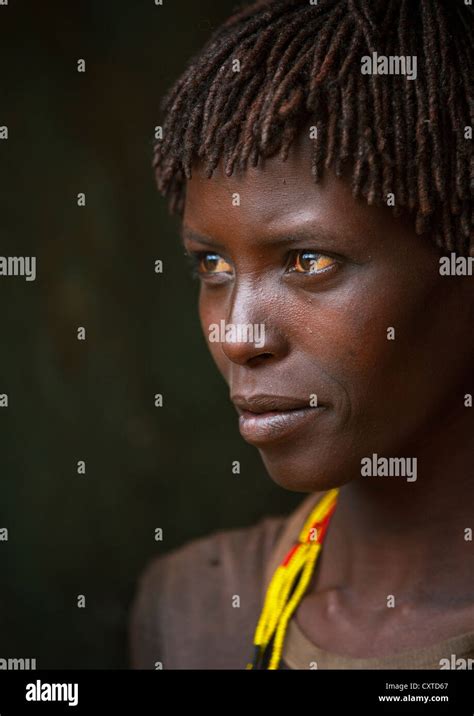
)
(189, 234)
(287, 237)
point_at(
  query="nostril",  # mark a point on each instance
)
(256, 360)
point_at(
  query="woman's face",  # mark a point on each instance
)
(366, 348)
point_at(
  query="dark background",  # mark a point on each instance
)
(93, 400)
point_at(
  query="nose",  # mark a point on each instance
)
(251, 334)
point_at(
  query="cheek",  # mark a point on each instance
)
(210, 311)
(386, 348)
(346, 336)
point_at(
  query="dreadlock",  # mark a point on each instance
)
(301, 61)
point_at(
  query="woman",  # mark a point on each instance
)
(319, 158)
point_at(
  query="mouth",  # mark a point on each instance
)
(266, 419)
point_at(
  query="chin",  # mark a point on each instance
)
(304, 474)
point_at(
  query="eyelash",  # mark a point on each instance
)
(195, 257)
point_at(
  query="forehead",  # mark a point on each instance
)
(259, 194)
(277, 196)
(270, 178)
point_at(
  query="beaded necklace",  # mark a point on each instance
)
(289, 583)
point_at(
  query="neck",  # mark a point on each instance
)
(388, 534)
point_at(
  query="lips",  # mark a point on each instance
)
(268, 418)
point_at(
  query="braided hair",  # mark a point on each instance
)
(300, 61)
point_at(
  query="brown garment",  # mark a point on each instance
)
(185, 613)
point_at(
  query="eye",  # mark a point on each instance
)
(310, 262)
(213, 263)
(208, 263)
